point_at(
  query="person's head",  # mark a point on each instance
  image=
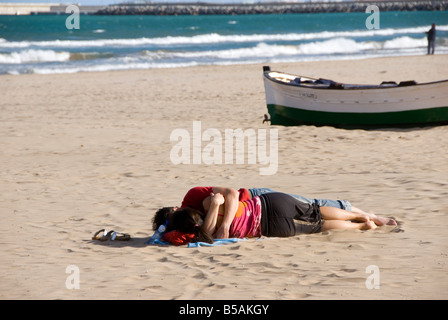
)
(189, 220)
(433, 25)
(162, 216)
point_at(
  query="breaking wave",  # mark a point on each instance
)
(32, 55)
(213, 38)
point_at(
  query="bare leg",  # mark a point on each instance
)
(379, 221)
(341, 219)
(357, 210)
(347, 225)
(331, 213)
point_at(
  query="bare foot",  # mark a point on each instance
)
(362, 217)
(381, 221)
(369, 225)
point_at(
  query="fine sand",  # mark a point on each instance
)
(86, 151)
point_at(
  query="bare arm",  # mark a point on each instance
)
(231, 197)
(209, 225)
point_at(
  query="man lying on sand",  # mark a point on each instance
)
(209, 213)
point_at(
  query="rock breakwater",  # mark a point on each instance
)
(269, 8)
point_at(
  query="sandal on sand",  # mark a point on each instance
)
(102, 235)
(118, 236)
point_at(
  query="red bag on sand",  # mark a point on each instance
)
(178, 238)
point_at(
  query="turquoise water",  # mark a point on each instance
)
(43, 44)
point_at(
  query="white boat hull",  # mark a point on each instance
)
(357, 106)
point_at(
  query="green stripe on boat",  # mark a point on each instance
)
(287, 116)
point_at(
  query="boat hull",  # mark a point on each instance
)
(399, 106)
(288, 116)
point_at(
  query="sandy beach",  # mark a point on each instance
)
(86, 151)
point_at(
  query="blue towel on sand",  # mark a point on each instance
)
(216, 242)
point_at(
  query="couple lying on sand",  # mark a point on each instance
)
(209, 213)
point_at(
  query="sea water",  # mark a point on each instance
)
(44, 44)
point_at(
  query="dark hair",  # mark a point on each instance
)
(189, 220)
(162, 215)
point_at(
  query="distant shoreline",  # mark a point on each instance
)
(161, 9)
(201, 8)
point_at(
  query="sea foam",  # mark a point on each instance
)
(32, 55)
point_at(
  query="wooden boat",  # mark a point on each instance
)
(297, 100)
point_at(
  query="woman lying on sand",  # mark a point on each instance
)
(271, 214)
(196, 197)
